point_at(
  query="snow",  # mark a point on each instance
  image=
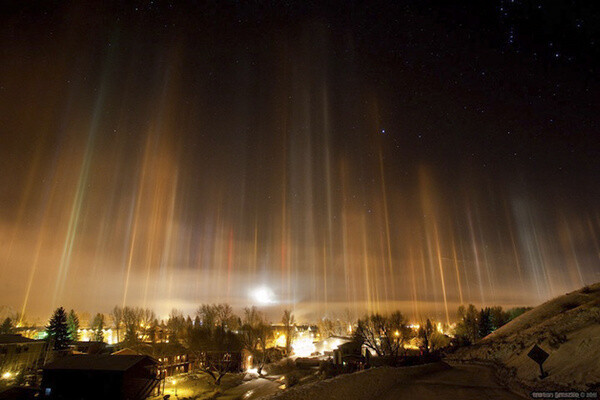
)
(567, 327)
(365, 385)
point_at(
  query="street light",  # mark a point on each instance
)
(175, 385)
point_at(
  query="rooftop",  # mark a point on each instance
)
(97, 362)
(12, 338)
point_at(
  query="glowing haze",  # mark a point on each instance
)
(165, 158)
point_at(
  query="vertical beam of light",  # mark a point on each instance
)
(514, 245)
(475, 254)
(429, 213)
(325, 294)
(594, 236)
(484, 252)
(441, 267)
(136, 219)
(327, 256)
(424, 282)
(382, 277)
(414, 296)
(345, 246)
(465, 274)
(366, 266)
(24, 199)
(82, 182)
(38, 248)
(284, 223)
(152, 234)
(230, 253)
(571, 249)
(386, 217)
(170, 234)
(455, 261)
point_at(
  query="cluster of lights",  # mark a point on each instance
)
(303, 346)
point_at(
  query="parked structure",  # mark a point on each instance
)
(100, 377)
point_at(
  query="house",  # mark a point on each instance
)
(95, 377)
(19, 354)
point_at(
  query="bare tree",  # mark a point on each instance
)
(117, 317)
(255, 333)
(211, 341)
(176, 326)
(98, 326)
(288, 322)
(385, 335)
(347, 320)
(425, 333)
(218, 315)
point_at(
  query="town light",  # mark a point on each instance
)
(6, 375)
(280, 341)
(303, 347)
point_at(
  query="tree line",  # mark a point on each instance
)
(212, 336)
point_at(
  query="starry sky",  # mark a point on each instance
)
(373, 156)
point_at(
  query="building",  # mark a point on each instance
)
(19, 354)
(86, 334)
(172, 358)
(100, 377)
(90, 347)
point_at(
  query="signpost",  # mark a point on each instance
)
(538, 355)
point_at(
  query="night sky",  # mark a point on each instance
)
(362, 155)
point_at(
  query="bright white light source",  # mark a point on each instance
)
(6, 375)
(263, 295)
(303, 347)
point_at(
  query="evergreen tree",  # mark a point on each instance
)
(486, 325)
(499, 317)
(73, 326)
(57, 329)
(98, 326)
(7, 326)
(467, 329)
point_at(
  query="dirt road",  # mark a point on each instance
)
(461, 382)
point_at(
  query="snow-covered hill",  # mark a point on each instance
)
(567, 327)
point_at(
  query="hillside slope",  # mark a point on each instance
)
(567, 327)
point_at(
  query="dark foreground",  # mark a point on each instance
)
(461, 382)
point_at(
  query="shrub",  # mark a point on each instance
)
(293, 378)
(281, 367)
(327, 370)
(569, 305)
(555, 339)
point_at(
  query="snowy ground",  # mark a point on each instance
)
(371, 384)
(567, 327)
